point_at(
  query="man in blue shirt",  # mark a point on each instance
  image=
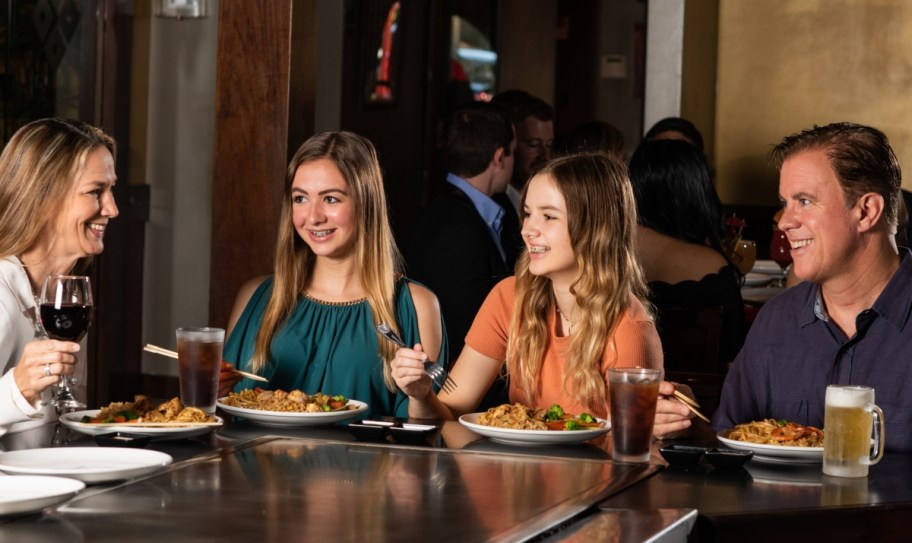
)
(848, 322)
(465, 243)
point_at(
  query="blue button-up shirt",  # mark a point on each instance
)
(793, 352)
(490, 211)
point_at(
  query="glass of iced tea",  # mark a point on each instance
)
(633, 394)
(848, 421)
(199, 355)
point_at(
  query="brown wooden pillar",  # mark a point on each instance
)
(251, 142)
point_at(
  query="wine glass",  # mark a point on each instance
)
(65, 306)
(781, 253)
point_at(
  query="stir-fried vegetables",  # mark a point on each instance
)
(520, 417)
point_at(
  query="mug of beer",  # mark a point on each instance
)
(850, 414)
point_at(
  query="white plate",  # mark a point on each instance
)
(32, 493)
(88, 464)
(776, 453)
(753, 279)
(767, 266)
(160, 433)
(288, 418)
(760, 294)
(532, 437)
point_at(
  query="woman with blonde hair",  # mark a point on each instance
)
(56, 181)
(574, 309)
(311, 326)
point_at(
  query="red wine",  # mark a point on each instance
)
(68, 322)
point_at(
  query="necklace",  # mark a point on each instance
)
(570, 321)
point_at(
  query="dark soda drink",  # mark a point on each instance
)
(68, 322)
(633, 399)
(199, 356)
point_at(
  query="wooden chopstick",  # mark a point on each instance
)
(172, 354)
(689, 403)
(685, 398)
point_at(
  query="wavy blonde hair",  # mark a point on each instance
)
(602, 220)
(38, 170)
(378, 258)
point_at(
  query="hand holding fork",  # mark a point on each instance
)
(435, 371)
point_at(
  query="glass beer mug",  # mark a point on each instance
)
(849, 419)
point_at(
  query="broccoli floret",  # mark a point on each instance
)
(340, 398)
(586, 417)
(554, 413)
(572, 425)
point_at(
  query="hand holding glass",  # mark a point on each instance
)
(848, 420)
(66, 312)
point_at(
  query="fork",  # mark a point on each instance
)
(434, 370)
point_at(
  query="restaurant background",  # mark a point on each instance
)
(208, 110)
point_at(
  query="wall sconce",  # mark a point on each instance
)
(180, 9)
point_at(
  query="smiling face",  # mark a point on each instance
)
(546, 232)
(79, 229)
(822, 232)
(323, 210)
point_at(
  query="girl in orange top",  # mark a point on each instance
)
(574, 309)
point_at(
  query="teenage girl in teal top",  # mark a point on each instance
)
(312, 325)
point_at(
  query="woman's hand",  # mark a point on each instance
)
(227, 379)
(408, 372)
(41, 365)
(672, 416)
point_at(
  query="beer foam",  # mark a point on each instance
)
(849, 396)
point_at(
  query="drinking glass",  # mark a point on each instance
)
(745, 255)
(199, 357)
(781, 253)
(65, 306)
(633, 394)
(849, 418)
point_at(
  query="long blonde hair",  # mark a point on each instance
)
(38, 169)
(601, 219)
(378, 258)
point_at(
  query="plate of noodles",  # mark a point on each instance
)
(288, 409)
(520, 425)
(777, 441)
(161, 421)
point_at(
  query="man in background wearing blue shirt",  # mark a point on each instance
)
(848, 322)
(466, 242)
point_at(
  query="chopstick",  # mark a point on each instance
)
(690, 404)
(172, 354)
(685, 398)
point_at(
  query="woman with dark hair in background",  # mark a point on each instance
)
(675, 128)
(680, 236)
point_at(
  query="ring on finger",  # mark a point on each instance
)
(47, 369)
